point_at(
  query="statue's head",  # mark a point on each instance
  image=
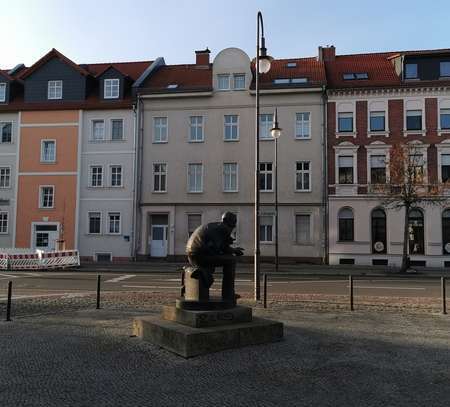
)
(229, 219)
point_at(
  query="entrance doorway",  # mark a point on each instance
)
(45, 236)
(158, 235)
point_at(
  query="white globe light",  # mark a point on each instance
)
(264, 65)
(276, 133)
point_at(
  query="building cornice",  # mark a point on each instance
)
(390, 92)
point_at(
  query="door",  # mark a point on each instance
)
(158, 245)
(45, 237)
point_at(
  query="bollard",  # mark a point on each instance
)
(8, 305)
(444, 295)
(350, 283)
(98, 291)
(265, 290)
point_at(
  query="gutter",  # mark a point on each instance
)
(326, 218)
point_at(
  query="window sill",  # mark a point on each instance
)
(263, 191)
(414, 132)
(267, 243)
(98, 141)
(6, 142)
(230, 141)
(230, 192)
(159, 142)
(372, 133)
(113, 234)
(195, 192)
(8, 187)
(94, 234)
(48, 162)
(345, 241)
(302, 138)
(159, 192)
(122, 140)
(95, 187)
(440, 132)
(303, 190)
(46, 208)
(266, 139)
(196, 141)
(346, 134)
(304, 244)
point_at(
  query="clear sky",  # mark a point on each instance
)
(113, 30)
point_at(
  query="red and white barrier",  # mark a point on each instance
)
(39, 260)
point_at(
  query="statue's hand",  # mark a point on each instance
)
(238, 251)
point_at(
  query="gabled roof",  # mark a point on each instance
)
(6, 75)
(129, 69)
(47, 57)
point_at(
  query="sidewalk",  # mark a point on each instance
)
(358, 359)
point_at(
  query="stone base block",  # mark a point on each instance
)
(201, 319)
(188, 342)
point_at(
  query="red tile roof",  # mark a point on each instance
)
(131, 69)
(4, 73)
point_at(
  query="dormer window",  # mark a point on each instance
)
(291, 64)
(411, 71)
(352, 76)
(112, 87)
(239, 81)
(223, 82)
(3, 92)
(54, 90)
(172, 86)
(444, 69)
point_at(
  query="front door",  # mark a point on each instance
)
(45, 237)
(158, 245)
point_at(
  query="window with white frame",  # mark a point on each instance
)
(223, 82)
(117, 129)
(116, 175)
(230, 177)
(231, 127)
(114, 223)
(444, 69)
(5, 132)
(46, 197)
(265, 124)
(98, 130)
(95, 223)
(414, 120)
(5, 177)
(3, 222)
(48, 151)
(303, 229)
(302, 125)
(96, 176)
(303, 176)
(417, 166)
(112, 87)
(3, 92)
(377, 121)
(345, 122)
(195, 177)
(411, 71)
(239, 81)
(196, 128)
(160, 129)
(159, 177)
(266, 177)
(346, 225)
(445, 167)
(55, 89)
(444, 120)
(266, 223)
(194, 220)
(345, 169)
(378, 169)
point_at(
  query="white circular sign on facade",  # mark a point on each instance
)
(379, 246)
(447, 247)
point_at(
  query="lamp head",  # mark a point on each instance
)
(264, 59)
(275, 131)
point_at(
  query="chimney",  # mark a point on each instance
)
(202, 57)
(327, 53)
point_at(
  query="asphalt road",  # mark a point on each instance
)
(36, 284)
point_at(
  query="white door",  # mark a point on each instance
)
(45, 237)
(158, 245)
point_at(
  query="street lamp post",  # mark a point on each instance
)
(262, 66)
(275, 132)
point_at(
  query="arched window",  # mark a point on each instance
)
(416, 232)
(446, 231)
(379, 241)
(346, 226)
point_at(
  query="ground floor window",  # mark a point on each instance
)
(346, 225)
(3, 222)
(266, 228)
(194, 221)
(303, 229)
(379, 231)
(416, 232)
(114, 223)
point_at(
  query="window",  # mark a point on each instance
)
(48, 151)
(47, 197)
(3, 222)
(302, 124)
(377, 121)
(116, 175)
(98, 130)
(266, 228)
(5, 132)
(446, 231)
(2, 92)
(444, 69)
(230, 177)
(159, 177)
(445, 167)
(231, 127)
(160, 129)
(303, 229)
(265, 177)
(223, 82)
(239, 81)
(96, 176)
(410, 71)
(112, 87)
(346, 224)
(114, 223)
(379, 231)
(116, 129)
(303, 176)
(416, 163)
(54, 90)
(352, 76)
(5, 177)
(444, 120)
(377, 169)
(416, 232)
(345, 122)
(194, 220)
(345, 173)
(95, 222)
(196, 128)
(195, 178)
(265, 124)
(414, 120)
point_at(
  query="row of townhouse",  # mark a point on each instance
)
(125, 160)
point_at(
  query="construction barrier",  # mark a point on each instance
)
(39, 260)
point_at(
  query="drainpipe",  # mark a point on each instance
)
(325, 172)
(133, 213)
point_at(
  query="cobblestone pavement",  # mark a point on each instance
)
(85, 357)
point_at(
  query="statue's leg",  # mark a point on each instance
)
(229, 273)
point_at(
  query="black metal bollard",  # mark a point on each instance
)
(98, 291)
(350, 283)
(265, 291)
(444, 295)
(8, 304)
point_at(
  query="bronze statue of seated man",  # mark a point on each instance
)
(209, 247)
